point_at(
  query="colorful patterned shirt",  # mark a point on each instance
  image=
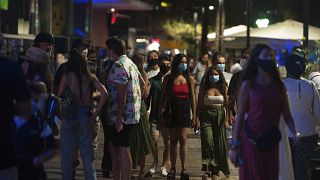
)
(124, 71)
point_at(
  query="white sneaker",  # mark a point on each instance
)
(164, 171)
(153, 168)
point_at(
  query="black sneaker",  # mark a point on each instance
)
(172, 174)
(184, 175)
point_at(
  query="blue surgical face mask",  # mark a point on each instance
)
(145, 67)
(182, 67)
(214, 79)
(221, 67)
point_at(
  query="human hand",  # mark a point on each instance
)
(231, 120)
(38, 161)
(119, 124)
(93, 116)
(234, 155)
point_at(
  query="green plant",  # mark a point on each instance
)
(313, 60)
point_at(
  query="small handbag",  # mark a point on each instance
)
(266, 139)
(68, 104)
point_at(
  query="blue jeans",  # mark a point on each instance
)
(77, 134)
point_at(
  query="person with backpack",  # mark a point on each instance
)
(76, 90)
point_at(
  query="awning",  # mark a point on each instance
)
(130, 5)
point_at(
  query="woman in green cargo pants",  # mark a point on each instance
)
(211, 113)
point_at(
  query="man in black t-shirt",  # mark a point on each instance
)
(14, 99)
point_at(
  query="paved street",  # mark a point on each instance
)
(193, 162)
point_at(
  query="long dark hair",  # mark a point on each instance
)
(221, 85)
(138, 59)
(175, 72)
(251, 71)
(78, 65)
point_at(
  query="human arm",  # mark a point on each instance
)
(200, 101)
(242, 107)
(62, 84)
(316, 102)
(232, 99)
(163, 99)
(287, 114)
(103, 97)
(193, 104)
(122, 97)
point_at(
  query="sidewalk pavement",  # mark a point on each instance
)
(193, 162)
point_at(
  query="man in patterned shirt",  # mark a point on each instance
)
(123, 105)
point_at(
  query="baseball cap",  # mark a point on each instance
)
(77, 43)
(44, 37)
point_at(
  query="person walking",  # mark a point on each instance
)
(141, 143)
(153, 104)
(124, 105)
(76, 129)
(305, 108)
(211, 106)
(178, 96)
(199, 71)
(263, 96)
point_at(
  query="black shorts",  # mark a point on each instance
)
(121, 139)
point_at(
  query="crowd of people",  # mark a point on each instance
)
(264, 124)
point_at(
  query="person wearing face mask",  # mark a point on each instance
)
(234, 87)
(219, 60)
(211, 106)
(153, 64)
(263, 97)
(152, 103)
(304, 106)
(199, 71)
(176, 104)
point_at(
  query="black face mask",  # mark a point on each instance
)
(266, 65)
(153, 62)
(164, 69)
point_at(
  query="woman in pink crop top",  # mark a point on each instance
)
(176, 104)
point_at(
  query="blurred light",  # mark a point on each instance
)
(262, 23)
(142, 41)
(79, 32)
(112, 10)
(211, 8)
(153, 46)
(113, 19)
(176, 51)
(164, 4)
(157, 40)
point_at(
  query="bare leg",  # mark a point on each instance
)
(155, 139)
(142, 160)
(115, 156)
(166, 151)
(183, 146)
(173, 147)
(125, 163)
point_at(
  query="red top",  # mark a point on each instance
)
(180, 91)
